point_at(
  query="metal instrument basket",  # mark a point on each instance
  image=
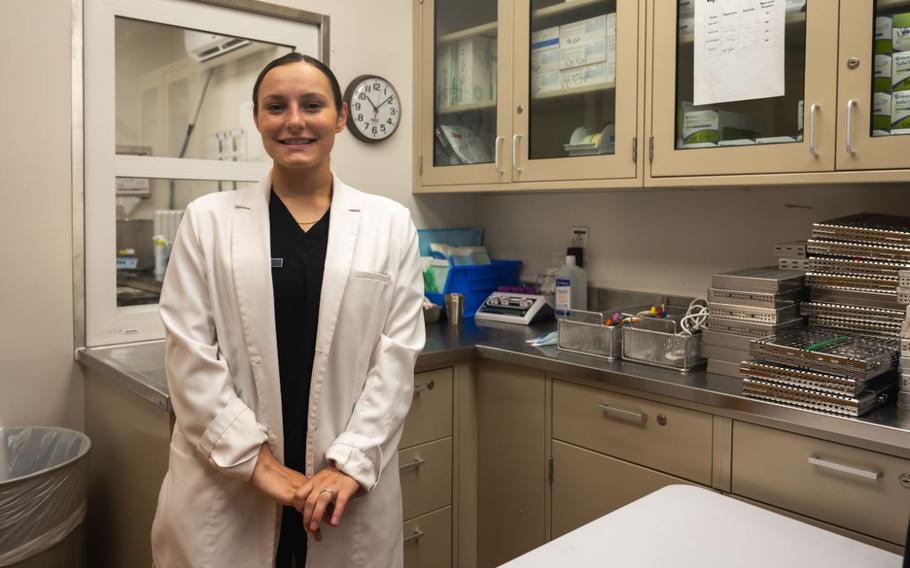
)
(654, 341)
(585, 333)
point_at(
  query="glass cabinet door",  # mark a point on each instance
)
(745, 87)
(463, 93)
(874, 85)
(576, 78)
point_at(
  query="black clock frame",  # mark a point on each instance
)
(352, 127)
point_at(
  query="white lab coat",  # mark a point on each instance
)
(222, 370)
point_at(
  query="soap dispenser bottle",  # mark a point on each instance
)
(571, 288)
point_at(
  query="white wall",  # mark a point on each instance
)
(670, 241)
(39, 382)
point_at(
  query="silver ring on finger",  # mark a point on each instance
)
(329, 490)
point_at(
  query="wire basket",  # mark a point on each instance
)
(585, 333)
(654, 341)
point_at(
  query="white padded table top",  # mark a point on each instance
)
(684, 526)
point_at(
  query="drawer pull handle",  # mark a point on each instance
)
(415, 536)
(858, 472)
(412, 465)
(627, 415)
(426, 386)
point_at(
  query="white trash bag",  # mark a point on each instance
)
(43, 486)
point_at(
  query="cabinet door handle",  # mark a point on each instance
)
(496, 152)
(412, 465)
(869, 474)
(425, 386)
(813, 108)
(627, 415)
(413, 536)
(515, 140)
(850, 104)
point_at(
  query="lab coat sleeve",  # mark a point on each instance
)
(213, 419)
(371, 438)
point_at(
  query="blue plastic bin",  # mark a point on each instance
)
(476, 282)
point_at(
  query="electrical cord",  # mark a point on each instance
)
(695, 317)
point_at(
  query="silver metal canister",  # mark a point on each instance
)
(454, 308)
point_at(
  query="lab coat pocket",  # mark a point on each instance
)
(366, 306)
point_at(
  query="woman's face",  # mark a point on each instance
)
(297, 116)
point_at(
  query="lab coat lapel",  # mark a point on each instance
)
(344, 223)
(252, 273)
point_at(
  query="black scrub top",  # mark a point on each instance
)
(298, 263)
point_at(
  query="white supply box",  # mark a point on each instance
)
(473, 76)
(581, 46)
(589, 75)
(546, 82)
(545, 50)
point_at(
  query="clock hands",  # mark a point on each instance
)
(385, 101)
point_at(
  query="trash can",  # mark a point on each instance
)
(43, 486)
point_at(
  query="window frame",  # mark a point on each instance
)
(98, 321)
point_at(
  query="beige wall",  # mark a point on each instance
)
(670, 241)
(39, 383)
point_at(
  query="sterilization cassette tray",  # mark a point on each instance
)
(867, 251)
(769, 279)
(856, 266)
(752, 314)
(815, 380)
(750, 329)
(841, 353)
(755, 299)
(824, 402)
(870, 227)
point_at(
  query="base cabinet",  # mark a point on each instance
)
(428, 540)
(588, 485)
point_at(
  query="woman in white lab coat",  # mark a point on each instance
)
(223, 500)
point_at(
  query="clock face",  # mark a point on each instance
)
(374, 109)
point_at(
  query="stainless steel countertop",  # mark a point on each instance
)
(140, 368)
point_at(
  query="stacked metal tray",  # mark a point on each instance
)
(748, 304)
(823, 369)
(875, 321)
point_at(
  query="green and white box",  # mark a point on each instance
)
(473, 76)
(900, 32)
(444, 69)
(700, 128)
(881, 114)
(881, 74)
(883, 35)
(900, 112)
(900, 71)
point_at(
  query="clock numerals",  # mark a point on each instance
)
(375, 108)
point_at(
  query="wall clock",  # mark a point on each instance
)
(374, 109)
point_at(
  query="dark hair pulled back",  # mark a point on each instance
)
(296, 57)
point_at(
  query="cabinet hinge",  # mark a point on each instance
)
(420, 165)
(550, 467)
(651, 149)
(634, 149)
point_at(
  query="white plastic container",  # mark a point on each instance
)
(571, 288)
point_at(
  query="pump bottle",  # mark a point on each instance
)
(571, 288)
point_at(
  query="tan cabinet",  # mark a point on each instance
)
(428, 540)
(518, 94)
(660, 436)
(794, 132)
(588, 485)
(852, 488)
(869, 137)
(425, 461)
(512, 472)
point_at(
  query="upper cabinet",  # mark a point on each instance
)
(873, 118)
(720, 104)
(516, 92)
(573, 94)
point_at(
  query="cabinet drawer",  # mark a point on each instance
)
(428, 540)
(615, 483)
(659, 436)
(852, 488)
(430, 417)
(426, 477)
